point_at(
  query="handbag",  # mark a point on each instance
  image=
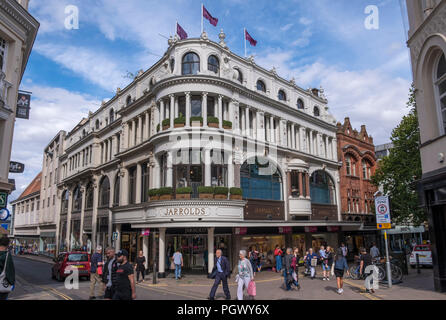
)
(99, 270)
(5, 286)
(332, 269)
(252, 288)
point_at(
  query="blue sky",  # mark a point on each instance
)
(365, 73)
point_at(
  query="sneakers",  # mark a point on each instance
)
(324, 279)
(340, 291)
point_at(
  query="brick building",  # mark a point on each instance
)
(357, 153)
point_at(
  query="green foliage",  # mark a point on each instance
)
(399, 171)
(203, 189)
(212, 120)
(153, 192)
(192, 119)
(158, 127)
(221, 190)
(180, 120)
(165, 190)
(185, 190)
(166, 122)
(227, 123)
(236, 191)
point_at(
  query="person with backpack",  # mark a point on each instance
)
(339, 267)
(278, 256)
(7, 270)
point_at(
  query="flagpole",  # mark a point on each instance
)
(244, 37)
(201, 18)
(176, 27)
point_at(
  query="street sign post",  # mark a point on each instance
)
(16, 167)
(3, 199)
(383, 221)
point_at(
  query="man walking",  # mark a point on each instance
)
(287, 270)
(125, 280)
(7, 270)
(96, 272)
(221, 271)
(178, 262)
(109, 273)
(374, 251)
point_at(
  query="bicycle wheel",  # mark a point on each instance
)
(353, 273)
(397, 273)
(381, 272)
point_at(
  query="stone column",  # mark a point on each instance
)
(139, 132)
(232, 114)
(169, 173)
(83, 190)
(307, 181)
(300, 184)
(115, 144)
(124, 188)
(176, 108)
(162, 253)
(70, 209)
(334, 145)
(210, 249)
(124, 137)
(260, 124)
(243, 118)
(271, 128)
(204, 108)
(172, 110)
(95, 212)
(288, 178)
(207, 167)
(188, 108)
(247, 125)
(220, 111)
(157, 173)
(293, 137)
(138, 182)
(161, 114)
(310, 143)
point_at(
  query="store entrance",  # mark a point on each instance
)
(194, 250)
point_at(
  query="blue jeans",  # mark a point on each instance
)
(287, 285)
(177, 271)
(278, 263)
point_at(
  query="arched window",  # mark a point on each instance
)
(172, 64)
(238, 75)
(281, 95)
(111, 115)
(117, 190)
(440, 82)
(128, 100)
(89, 196)
(213, 64)
(65, 196)
(322, 188)
(316, 112)
(77, 199)
(191, 63)
(104, 192)
(300, 104)
(366, 169)
(258, 181)
(261, 86)
(97, 124)
(348, 165)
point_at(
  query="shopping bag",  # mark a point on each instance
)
(99, 270)
(332, 269)
(294, 276)
(172, 266)
(252, 288)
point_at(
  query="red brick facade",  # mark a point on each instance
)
(357, 153)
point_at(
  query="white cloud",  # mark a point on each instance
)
(90, 63)
(305, 21)
(286, 27)
(52, 110)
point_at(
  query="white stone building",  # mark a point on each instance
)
(203, 116)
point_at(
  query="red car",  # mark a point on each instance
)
(67, 261)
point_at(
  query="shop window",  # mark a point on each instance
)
(256, 183)
(132, 185)
(295, 192)
(196, 106)
(322, 189)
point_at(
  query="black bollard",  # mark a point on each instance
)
(154, 273)
(418, 263)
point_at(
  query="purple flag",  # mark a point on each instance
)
(250, 39)
(181, 32)
(208, 16)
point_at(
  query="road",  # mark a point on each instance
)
(33, 282)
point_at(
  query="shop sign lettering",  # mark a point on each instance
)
(186, 212)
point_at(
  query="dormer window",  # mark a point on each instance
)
(261, 86)
(281, 95)
(213, 64)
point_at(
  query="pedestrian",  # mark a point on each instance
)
(295, 267)
(339, 267)
(344, 249)
(365, 261)
(278, 257)
(169, 254)
(220, 273)
(253, 258)
(374, 251)
(7, 270)
(311, 259)
(329, 261)
(109, 273)
(287, 270)
(245, 274)
(178, 262)
(140, 267)
(125, 280)
(96, 264)
(324, 263)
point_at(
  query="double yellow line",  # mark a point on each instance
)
(365, 294)
(56, 292)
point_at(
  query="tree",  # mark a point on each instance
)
(398, 172)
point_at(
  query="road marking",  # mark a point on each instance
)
(365, 294)
(45, 288)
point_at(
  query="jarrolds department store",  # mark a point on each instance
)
(204, 150)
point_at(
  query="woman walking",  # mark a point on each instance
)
(329, 260)
(245, 274)
(340, 266)
(140, 266)
(295, 267)
(278, 257)
(323, 258)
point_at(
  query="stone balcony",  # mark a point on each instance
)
(299, 206)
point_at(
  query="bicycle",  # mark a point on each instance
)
(395, 270)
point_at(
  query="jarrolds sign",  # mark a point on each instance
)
(194, 211)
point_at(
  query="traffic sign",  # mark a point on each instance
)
(384, 226)
(4, 214)
(3, 199)
(382, 210)
(115, 236)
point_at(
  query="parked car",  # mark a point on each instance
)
(424, 254)
(67, 261)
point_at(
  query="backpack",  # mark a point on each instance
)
(5, 286)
